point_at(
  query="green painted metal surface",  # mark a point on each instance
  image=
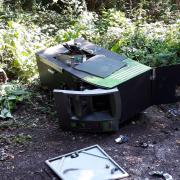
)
(132, 70)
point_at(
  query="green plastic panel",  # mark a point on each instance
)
(100, 66)
(130, 71)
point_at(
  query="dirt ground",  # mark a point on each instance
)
(35, 136)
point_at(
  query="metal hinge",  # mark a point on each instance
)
(51, 71)
(153, 76)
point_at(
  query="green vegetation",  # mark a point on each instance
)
(10, 95)
(18, 44)
(21, 138)
(15, 139)
(154, 43)
(146, 31)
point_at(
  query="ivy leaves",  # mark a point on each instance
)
(10, 95)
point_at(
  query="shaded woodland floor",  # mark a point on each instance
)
(35, 136)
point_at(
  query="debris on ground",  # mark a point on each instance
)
(178, 142)
(171, 111)
(4, 155)
(30, 153)
(166, 176)
(121, 139)
(74, 165)
(143, 145)
(174, 112)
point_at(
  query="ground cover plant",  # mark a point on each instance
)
(10, 95)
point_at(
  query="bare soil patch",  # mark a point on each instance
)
(35, 136)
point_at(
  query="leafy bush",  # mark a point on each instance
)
(10, 95)
(23, 34)
(18, 45)
(154, 44)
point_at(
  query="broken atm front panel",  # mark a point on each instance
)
(74, 166)
(95, 110)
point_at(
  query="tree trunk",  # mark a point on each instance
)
(95, 5)
(28, 5)
(3, 76)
